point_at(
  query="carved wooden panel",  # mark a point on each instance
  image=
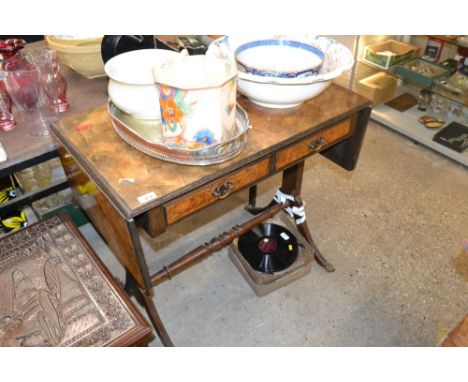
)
(54, 292)
(215, 191)
(314, 143)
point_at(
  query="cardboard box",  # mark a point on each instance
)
(421, 72)
(379, 87)
(264, 283)
(375, 54)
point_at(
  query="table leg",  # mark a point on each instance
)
(252, 196)
(119, 233)
(291, 185)
(145, 299)
(150, 308)
(122, 237)
(292, 179)
(346, 153)
(141, 289)
(305, 231)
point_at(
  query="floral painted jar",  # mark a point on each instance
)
(197, 97)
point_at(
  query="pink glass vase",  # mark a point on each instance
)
(7, 121)
(8, 50)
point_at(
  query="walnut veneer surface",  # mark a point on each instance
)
(111, 162)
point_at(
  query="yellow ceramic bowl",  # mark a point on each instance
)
(83, 55)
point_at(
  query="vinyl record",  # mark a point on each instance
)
(268, 248)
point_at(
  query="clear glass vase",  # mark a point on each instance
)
(52, 82)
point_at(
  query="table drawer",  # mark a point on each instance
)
(313, 143)
(215, 191)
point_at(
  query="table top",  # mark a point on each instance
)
(56, 292)
(83, 94)
(109, 161)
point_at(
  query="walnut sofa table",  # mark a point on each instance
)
(136, 189)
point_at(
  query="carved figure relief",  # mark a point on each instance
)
(52, 294)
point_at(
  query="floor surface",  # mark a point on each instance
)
(394, 229)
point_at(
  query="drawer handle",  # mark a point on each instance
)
(318, 144)
(223, 190)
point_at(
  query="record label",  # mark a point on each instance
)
(267, 245)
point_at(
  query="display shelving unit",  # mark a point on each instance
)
(406, 122)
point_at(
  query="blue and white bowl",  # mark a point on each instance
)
(279, 58)
(278, 92)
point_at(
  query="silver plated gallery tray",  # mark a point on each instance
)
(146, 136)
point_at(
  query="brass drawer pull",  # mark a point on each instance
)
(318, 144)
(223, 190)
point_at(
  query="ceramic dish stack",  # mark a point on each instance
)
(284, 91)
(162, 118)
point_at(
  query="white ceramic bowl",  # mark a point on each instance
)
(280, 96)
(279, 58)
(131, 85)
(286, 92)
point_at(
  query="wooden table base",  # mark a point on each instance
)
(204, 251)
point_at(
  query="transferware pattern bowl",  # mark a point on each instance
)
(276, 92)
(279, 58)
